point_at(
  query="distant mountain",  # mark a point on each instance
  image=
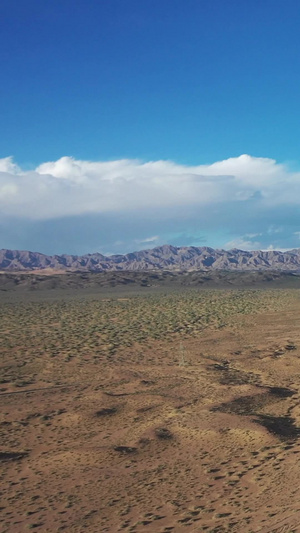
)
(161, 258)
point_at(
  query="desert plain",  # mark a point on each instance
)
(144, 408)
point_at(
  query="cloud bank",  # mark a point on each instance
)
(247, 200)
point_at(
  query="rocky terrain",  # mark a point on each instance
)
(161, 258)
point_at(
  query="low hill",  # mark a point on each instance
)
(132, 282)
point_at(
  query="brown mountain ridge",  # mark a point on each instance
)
(167, 257)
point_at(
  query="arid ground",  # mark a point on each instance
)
(168, 412)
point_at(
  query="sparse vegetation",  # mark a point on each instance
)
(150, 406)
(75, 328)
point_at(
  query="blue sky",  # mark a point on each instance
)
(184, 83)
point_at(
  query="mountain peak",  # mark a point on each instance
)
(165, 257)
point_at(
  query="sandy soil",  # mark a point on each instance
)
(168, 437)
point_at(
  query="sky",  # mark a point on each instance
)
(131, 124)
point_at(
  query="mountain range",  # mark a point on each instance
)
(164, 257)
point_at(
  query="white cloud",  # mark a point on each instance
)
(7, 165)
(147, 240)
(271, 248)
(274, 229)
(253, 235)
(245, 202)
(242, 243)
(70, 187)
